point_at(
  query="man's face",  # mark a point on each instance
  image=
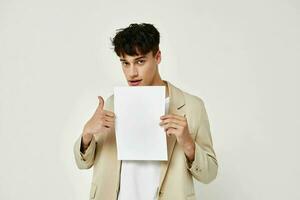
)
(141, 70)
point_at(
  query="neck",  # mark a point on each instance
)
(158, 81)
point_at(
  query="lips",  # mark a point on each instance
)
(135, 82)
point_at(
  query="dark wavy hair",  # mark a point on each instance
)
(136, 39)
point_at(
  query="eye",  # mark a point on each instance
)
(124, 64)
(140, 62)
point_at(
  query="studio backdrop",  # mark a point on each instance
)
(240, 57)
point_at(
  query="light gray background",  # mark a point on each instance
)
(240, 57)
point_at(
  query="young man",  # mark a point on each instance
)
(189, 142)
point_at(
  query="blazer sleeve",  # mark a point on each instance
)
(204, 167)
(84, 160)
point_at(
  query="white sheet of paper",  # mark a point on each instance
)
(138, 133)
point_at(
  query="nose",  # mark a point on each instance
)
(133, 72)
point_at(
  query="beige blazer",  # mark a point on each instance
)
(176, 181)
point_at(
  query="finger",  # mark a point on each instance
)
(107, 127)
(109, 113)
(173, 116)
(169, 120)
(171, 131)
(107, 124)
(101, 103)
(109, 119)
(171, 125)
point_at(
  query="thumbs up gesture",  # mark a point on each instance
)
(102, 121)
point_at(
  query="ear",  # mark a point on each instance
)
(158, 56)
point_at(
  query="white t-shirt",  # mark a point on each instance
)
(140, 179)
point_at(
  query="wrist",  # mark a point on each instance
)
(86, 138)
(189, 150)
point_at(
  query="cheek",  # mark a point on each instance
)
(149, 69)
(125, 72)
(147, 73)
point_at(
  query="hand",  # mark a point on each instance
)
(102, 121)
(177, 125)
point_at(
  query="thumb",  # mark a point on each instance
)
(101, 103)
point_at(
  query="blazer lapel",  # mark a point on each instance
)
(176, 106)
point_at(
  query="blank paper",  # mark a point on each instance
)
(138, 133)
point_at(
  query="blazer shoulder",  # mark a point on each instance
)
(193, 101)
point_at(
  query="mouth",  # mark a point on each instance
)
(134, 82)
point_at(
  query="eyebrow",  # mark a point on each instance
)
(121, 59)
